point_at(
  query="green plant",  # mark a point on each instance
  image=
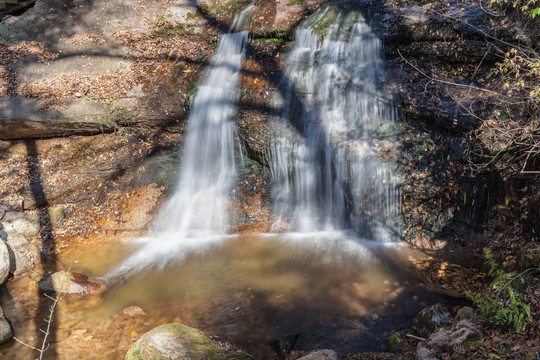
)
(532, 7)
(501, 304)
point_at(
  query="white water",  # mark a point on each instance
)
(196, 216)
(326, 169)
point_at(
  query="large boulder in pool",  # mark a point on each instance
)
(179, 342)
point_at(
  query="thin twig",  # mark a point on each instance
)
(25, 344)
(415, 337)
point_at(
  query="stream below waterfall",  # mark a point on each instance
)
(251, 290)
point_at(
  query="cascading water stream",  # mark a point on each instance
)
(195, 216)
(328, 174)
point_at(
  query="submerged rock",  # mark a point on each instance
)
(71, 283)
(175, 342)
(431, 319)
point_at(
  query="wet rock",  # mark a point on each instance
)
(467, 313)
(321, 355)
(175, 342)
(57, 215)
(5, 328)
(285, 344)
(133, 311)
(529, 256)
(71, 283)
(4, 262)
(432, 318)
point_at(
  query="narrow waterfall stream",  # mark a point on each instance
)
(196, 214)
(333, 273)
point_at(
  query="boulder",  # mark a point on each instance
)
(22, 257)
(5, 328)
(465, 330)
(439, 342)
(175, 342)
(467, 313)
(71, 283)
(529, 256)
(22, 223)
(321, 355)
(4, 262)
(432, 318)
(446, 341)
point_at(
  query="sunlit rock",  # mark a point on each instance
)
(175, 342)
(4, 262)
(71, 283)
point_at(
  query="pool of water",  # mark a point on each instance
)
(326, 290)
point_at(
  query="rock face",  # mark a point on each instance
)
(175, 342)
(432, 318)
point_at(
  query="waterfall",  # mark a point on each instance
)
(195, 216)
(325, 152)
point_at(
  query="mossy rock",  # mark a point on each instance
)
(432, 319)
(529, 256)
(178, 341)
(398, 342)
